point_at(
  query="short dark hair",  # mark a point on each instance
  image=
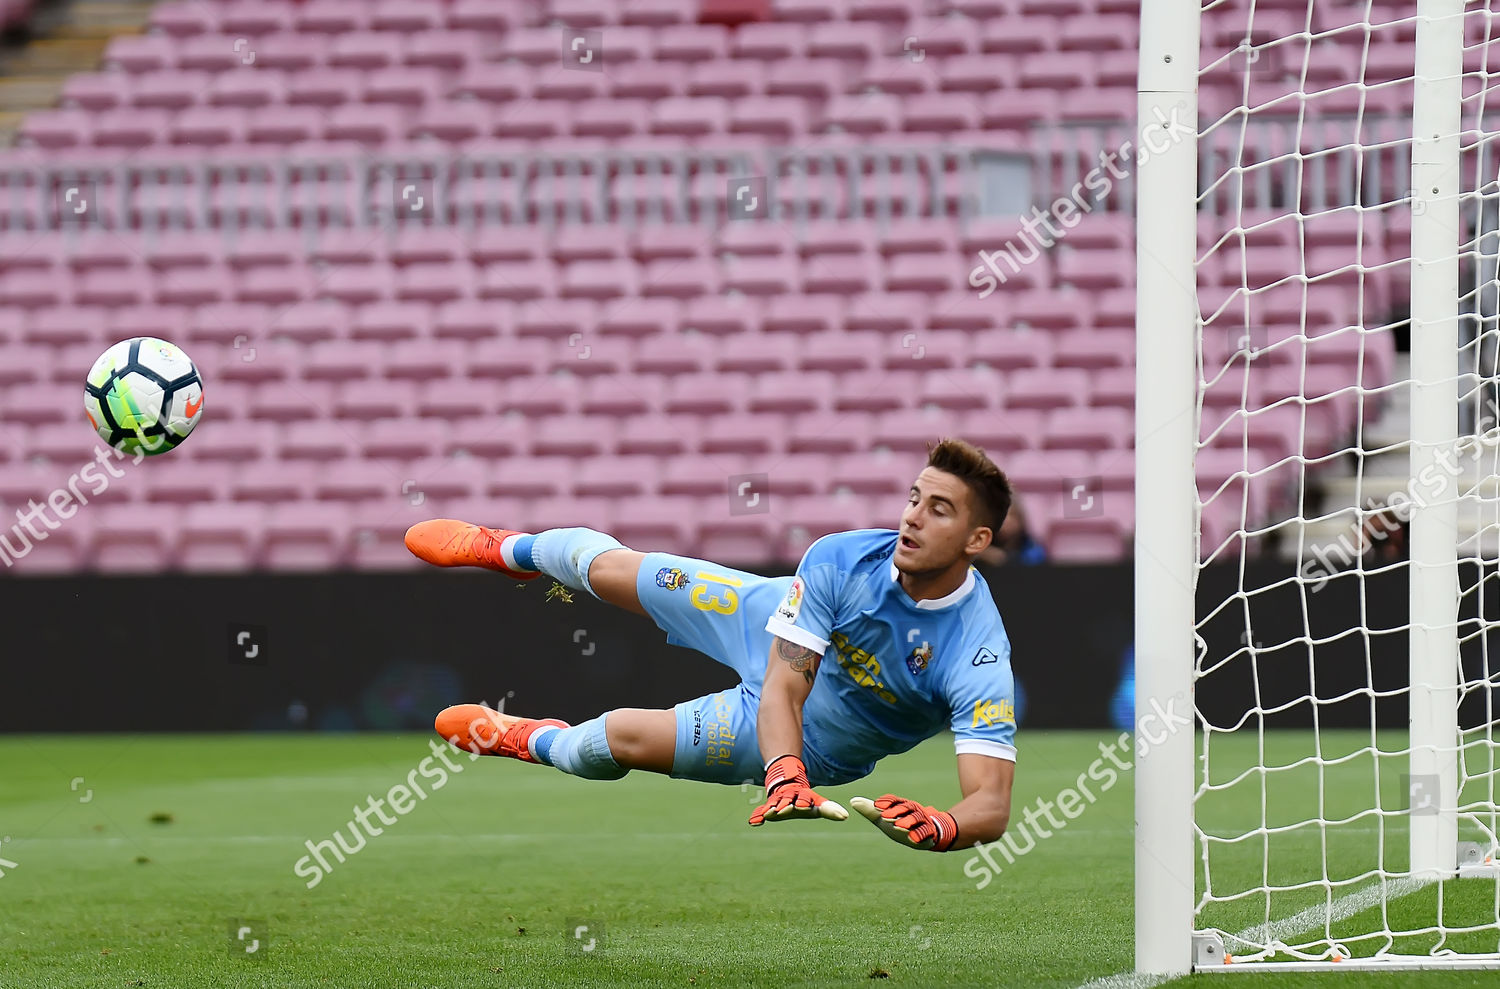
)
(968, 463)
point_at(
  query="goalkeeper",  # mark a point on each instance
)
(880, 640)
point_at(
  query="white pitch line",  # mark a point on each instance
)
(1340, 909)
(1126, 980)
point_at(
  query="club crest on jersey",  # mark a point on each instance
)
(791, 606)
(671, 578)
(919, 658)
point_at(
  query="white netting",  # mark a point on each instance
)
(1304, 244)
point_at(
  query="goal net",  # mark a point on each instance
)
(1345, 489)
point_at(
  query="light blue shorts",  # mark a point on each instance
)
(722, 612)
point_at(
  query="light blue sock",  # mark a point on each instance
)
(582, 750)
(565, 554)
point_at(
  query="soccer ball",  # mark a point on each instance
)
(143, 396)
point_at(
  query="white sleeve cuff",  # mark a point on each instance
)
(983, 746)
(791, 633)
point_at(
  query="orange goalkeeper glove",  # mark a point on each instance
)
(789, 795)
(909, 822)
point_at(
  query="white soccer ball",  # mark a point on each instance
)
(143, 395)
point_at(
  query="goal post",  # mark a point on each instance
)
(1317, 564)
(1166, 331)
(1434, 661)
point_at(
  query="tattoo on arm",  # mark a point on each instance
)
(800, 658)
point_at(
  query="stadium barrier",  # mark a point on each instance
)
(386, 651)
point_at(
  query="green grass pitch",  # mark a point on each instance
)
(485, 881)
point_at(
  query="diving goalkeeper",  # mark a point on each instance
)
(880, 640)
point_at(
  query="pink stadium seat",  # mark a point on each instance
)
(213, 52)
(573, 86)
(1096, 34)
(492, 438)
(904, 432)
(737, 435)
(769, 41)
(872, 113)
(616, 477)
(753, 354)
(140, 53)
(940, 113)
(884, 475)
(122, 545)
(1046, 389)
(1091, 539)
(705, 394)
(1008, 349)
(876, 391)
(283, 403)
(1018, 110)
(96, 90)
(1087, 429)
(64, 551)
(481, 15)
(827, 433)
(332, 16)
(1097, 348)
(806, 314)
(921, 273)
(792, 394)
(615, 395)
(403, 85)
(689, 116)
(220, 537)
(1002, 433)
(935, 351)
(775, 117)
(652, 524)
(405, 16)
(256, 17)
(532, 477)
(659, 435)
(181, 482)
(691, 43)
(33, 405)
(308, 537)
(320, 440)
(634, 85)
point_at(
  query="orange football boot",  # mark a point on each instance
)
(486, 731)
(451, 543)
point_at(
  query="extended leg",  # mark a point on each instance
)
(584, 559)
(606, 747)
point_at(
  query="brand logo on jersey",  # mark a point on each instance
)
(792, 605)
(671, 578)
(919, 658)
(984, 656)
(863, 667)
(989, 714)
(878, 554)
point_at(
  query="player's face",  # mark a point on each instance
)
(937, 529)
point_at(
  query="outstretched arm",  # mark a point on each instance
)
(790, 673)
(982, 814)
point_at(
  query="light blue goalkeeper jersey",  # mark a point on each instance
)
(894, 670)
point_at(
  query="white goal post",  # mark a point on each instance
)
(1314, 498)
